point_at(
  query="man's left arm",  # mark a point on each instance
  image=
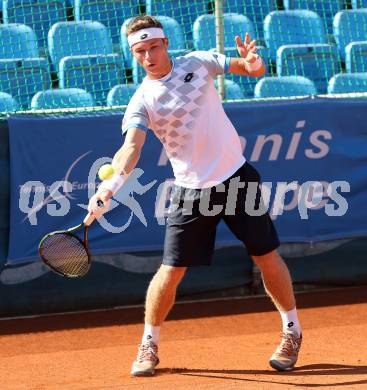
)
(249, 63)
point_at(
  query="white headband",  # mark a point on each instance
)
(144, 35)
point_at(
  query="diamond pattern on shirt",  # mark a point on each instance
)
(178, 102)
(161, 122)
(173, 134)
(190, 125)
(195, 113)
(191, 66)
(185, 89)
(185, 99)
(176, 124)
(165, 98)
(179, 113)
(163, 111)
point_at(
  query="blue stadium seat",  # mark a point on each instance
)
(22, 72)
(125, 49)
(62, 98)
(111, 13)
(120, 95)
(233, 90)
(8, 103)
(184, 11)
(17, 41)
(97, 74)
(138, 71)
(292, 28)
(38, 14)
(325, 9)
(22, 78)
(247, 84)
(254, 10)
(348, 83)
(171, 28)
(350, 26)
(285, 86)
(359, 4)
(78, 38)
(234, 24)
(82, 53)
(316, 62)
(356, 57)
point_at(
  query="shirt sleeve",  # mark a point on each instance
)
(215, 62)
(136, 114)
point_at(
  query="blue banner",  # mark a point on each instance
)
(311, 153)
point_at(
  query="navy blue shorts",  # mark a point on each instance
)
(190, 232)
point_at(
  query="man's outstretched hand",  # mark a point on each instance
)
(247, 49)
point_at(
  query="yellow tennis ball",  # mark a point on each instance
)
(105, 172)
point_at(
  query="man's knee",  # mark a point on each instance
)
(267, 259)
(171, 275)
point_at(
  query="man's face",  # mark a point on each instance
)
(152, 56)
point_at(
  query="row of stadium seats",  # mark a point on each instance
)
(288, 86)
(296, 42)
(82, 52)
(287, 34)
(280, 28)
(83, 57)
(40, 15)
(258, 10)
(68, 98)
(119, 95)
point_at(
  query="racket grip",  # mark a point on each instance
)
(90, 218)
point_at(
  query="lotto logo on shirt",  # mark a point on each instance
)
(188, 77)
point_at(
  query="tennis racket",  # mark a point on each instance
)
(65, 253)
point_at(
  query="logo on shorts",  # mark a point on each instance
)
(149, 337)
(290, 324)
(143, 36)
(188, 77)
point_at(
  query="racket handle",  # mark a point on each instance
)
(90, 218)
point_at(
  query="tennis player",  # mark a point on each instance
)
(177, 100)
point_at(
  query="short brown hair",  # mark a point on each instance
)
(140, 22)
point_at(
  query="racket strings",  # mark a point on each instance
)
(66, 254)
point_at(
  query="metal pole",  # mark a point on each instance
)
(219, 38)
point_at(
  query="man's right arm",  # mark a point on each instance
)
(124, 161)
(127, 157)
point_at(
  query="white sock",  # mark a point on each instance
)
(151, 333)
(290, 321)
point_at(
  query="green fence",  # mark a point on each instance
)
(74, 53)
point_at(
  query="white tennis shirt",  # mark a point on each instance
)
(184, 111)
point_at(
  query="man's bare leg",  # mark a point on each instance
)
(277, 280)
(161, 293)
(278, 285)
(160, 298)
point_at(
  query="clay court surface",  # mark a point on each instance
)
(212, 345)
